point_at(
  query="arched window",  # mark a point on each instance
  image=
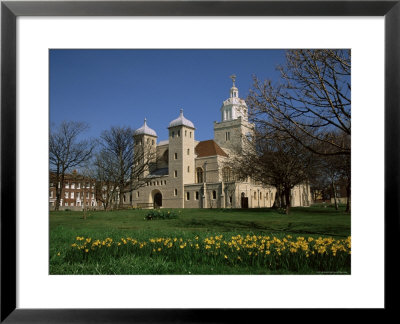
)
(214, 194)
(199, 175)
(227, 174)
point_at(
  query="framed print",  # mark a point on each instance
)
(38, 35)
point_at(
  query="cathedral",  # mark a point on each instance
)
(187, 173)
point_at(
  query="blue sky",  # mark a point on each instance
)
(122, 87)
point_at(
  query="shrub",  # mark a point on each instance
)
(160, 214)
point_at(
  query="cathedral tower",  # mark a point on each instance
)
(234, 126)
(181, 157)
(145, 140)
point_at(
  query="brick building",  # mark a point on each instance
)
(78, 191)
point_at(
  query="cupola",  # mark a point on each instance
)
(145, 130)
(181, 121)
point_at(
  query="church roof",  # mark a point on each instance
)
(209, 148)
(145, 130)
(158, 172)
(164, 142)
(181, 121)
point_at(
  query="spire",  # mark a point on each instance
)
(233, 77)
(233, 107)
(234, 93)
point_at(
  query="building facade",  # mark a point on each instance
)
(78, 192)
(187, 173)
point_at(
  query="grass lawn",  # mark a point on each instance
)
(192, 226)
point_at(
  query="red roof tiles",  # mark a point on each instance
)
(209, 148)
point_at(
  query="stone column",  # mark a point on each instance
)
(222, 195)
(204, 196)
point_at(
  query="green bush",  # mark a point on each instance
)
(161, 214)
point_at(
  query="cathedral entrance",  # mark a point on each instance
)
(244, 201)
(157, 200)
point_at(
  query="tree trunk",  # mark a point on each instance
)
(276, 203)
(84, 200)
(287, 201)
(59, 190)
(335, 195)
(348, 191)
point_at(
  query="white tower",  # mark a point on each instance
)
(145, 146)
(234, 126)
(233, 107)
(181, 157)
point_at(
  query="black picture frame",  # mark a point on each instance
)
(10, 10)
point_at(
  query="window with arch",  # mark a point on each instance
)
(214, 194)
(227, 174)
(199, 175)
(255, 195)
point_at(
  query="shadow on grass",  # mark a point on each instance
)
(294, 210)
(273, 227)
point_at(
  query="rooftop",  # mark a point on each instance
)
(181, 121)
(209, 148)
(145, 130)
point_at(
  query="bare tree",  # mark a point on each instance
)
(311, 103)
(67, 151)
(104, 170)
(276, 161)
(332, 170)
(121, 164)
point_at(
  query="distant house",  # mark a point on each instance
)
(78, 191)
